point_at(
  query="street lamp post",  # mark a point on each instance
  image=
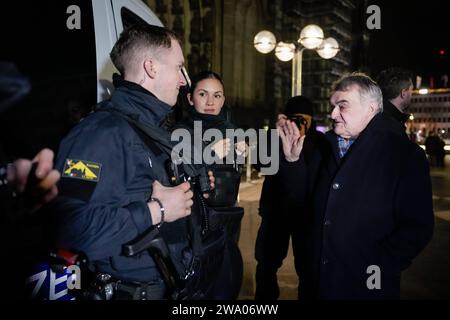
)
(311, 37)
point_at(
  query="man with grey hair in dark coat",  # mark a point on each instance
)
(371, 201)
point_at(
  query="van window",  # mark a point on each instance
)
(58, 56)
(129, 18)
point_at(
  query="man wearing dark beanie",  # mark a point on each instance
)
(300, 109)
(299, 104)
(281, 217)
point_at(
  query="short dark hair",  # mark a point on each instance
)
(136, 38)
(393, 80)
(202, 76)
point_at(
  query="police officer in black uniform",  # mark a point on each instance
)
(114, 183)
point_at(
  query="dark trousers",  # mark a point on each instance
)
(230, 274)
(272, 244)
(440, 160)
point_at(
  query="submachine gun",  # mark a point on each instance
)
(158, 249)
(181, 170)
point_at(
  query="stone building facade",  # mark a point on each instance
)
(218, 35)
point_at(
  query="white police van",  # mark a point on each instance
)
(63, 48)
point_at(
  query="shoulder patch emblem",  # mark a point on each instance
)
(80, 169)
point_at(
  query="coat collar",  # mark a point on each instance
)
(391, 111)
(132, 99)
(372, 126)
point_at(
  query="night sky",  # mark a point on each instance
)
(412, 35)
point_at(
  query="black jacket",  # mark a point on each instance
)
(372, 207)
(227, 172)
(390, 111)
(276, 196)
(107, 174)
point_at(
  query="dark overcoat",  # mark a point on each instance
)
(372, 213)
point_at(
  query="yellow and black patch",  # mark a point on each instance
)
(81, 169)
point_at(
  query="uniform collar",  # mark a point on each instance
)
(133, 99)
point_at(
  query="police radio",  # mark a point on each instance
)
(198, 175)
